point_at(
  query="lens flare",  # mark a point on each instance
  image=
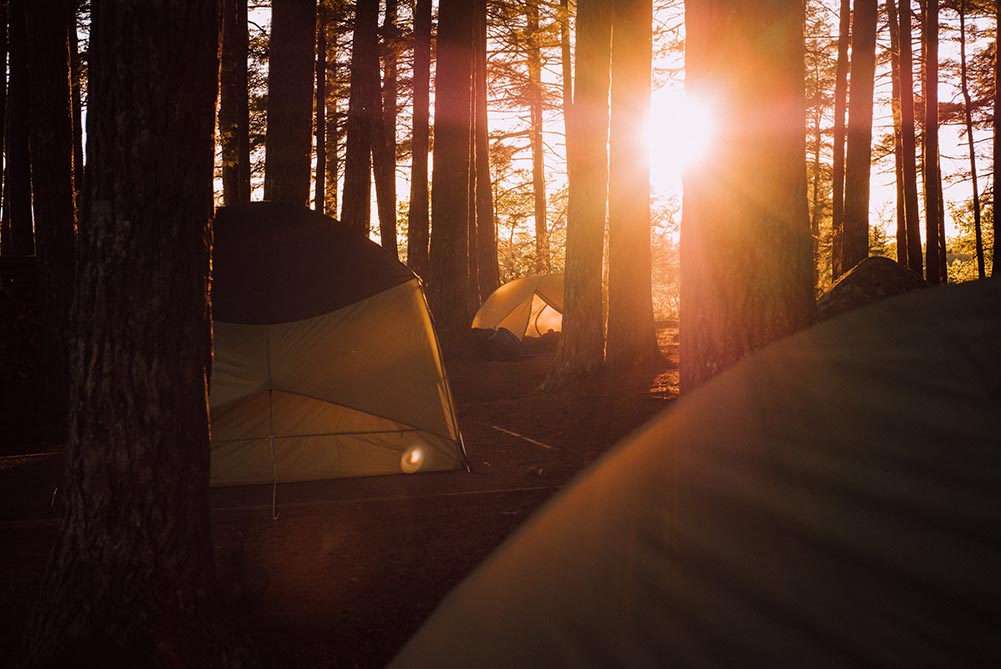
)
(412, 460)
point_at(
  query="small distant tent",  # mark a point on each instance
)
(531, 306)
(326, 363)
(831, 500)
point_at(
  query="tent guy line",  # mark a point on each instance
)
(524, 438)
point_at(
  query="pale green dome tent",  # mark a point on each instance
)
(530, 306)
(325, 363)
(832, 500)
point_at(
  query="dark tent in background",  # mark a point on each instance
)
(325, 360)
(834, 499)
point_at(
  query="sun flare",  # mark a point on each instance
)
(681, 133)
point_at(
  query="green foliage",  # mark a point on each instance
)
(962, 249)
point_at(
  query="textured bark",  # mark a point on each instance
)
(289, 136)
(968, 114)
(582, 344)
(356, 204)
(746, 263)
(449, 262)
(908, 142)
(384, 132)
(486, 226)
(320, 125)
(17, 237)
(838, 161)
(858, 161)
(933, 177)
(631, 336)
(534, 95)
(131, 582)
(234, 110)
(898, 145)
(417, 215)
(54, 199)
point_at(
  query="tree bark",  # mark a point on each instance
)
(968, 114)
(234, 109)
(746, 263)
(486, 226)
(131, 580)
(17, 237)
(858, 161)
(54, 199)
(384, 134)
(582, 343)
(838, 161)
(290, 101)
(331, 99)
(534, 94)
(898, 134)
(631, 337)
(417, 215)
(356, 204)
(908, 142)
(449, 261)
(933, 177)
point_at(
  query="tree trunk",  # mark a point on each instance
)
(472, 244)
(908, 142)
(320, 105)
(631, 337)
(838, 164)
(449, 263)
(486, 226)
(933, 177)
(417, 215)
(996, 255)
(534, 94)
(77, 76)
(332, 132)
(54, 200)
(581, 348)
(18, 236)
(131, 580)
(898, 144)
(234, 111)
(968, 112)
(356, 205)
(290, 101)
(4, 232)
(566, 62)
(384, 134)
(858, 161)
(746, 264)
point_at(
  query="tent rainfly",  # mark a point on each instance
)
(831, 500)
(531, 306)
(326, 363)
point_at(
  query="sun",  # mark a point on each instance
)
(681, 133)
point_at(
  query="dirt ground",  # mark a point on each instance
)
(351, 567)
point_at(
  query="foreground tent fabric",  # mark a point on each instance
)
(834, 499)
(325, 360)
(531, 306)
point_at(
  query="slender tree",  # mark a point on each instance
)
(488, 270)
(417, 214)
(908, 141)
(332, 19)
(234, 109)
(384, 131)
(320, 105)
(933, 177)
(997, 141)
(534, 95)
(290, 101)
(77, 76)
(631, 337)
(131, 580)
(746, 264)
(449, 261)
(362, 110)
(838, 160)
(858, 161)
(968, 118)
(581, 347)
(17, 237)
(898, 134)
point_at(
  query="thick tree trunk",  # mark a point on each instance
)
(746, 264)
(356, 207)
(908, 142)
(898, 143)
(933, 177)
(131, 582)
(417, 215)
(54, 200)
(234, 110)
(384, 133)
(17, 238)
(534, 94)
(838, 161)
(631, 337)
(449, 262)
(290, 101)
(582, 344)
(320, 105)
(858, 161)
(968, 113)
(486, 226)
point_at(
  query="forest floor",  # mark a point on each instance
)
(351, 567)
